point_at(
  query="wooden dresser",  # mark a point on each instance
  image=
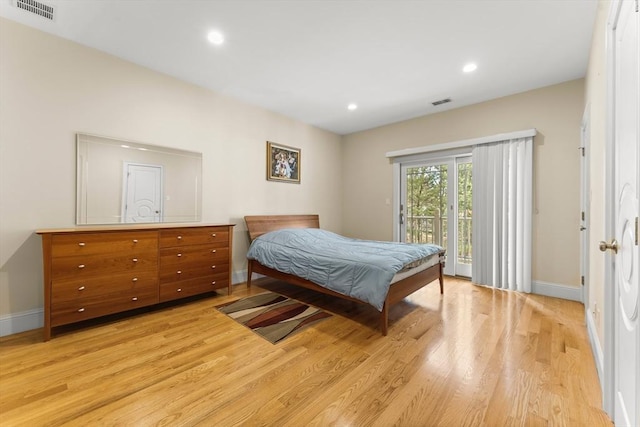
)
(94, 271)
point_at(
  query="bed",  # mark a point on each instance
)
(403, 283)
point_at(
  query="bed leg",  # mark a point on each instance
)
(384, 319)
(441, 279)
(249, 268)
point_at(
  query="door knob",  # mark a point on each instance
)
(613, 246)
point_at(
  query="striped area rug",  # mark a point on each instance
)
(273, 316)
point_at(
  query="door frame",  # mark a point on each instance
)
(585, 202)
(608, 386)
(608, 397)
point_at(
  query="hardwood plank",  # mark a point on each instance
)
(473, 356)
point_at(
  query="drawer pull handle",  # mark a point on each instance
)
(81, 244)
(135, 279)
(179, 272)
(213, 266)
(135, 240)
(213, 283)
(80, 310)
(179, 237)
(179, 255)
(135, 260)
(213, 234)
(81, 266)
(213, 251)
(134, 299)
(81, 288)
(179, 289)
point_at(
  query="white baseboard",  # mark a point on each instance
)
(596, 348)
(238, 277)
(19, 322)
(556, 290)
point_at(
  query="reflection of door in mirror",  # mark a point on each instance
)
(142, 193)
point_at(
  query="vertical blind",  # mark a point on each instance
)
(502, 214)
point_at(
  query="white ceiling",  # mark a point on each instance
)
(308, 59)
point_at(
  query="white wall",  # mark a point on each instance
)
(51, 88)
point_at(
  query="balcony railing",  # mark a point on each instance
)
(433, 229)
(427, 229)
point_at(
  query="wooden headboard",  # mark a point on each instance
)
(260, 224)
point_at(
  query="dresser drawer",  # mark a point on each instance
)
(71, 311)
(194, 236)
(87, 266)
(200, 285)
(64, 245)
(77, 289)
(192, 255)
(176, 274)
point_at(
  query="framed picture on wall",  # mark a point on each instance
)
(283, 163)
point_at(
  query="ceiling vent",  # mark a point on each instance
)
(37, 8)
(442, 101)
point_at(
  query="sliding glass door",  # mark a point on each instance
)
(464, 209)
(435, 207)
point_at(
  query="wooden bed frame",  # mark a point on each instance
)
(260, 224)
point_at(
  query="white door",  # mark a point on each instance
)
(435, 200)
(142, 193)
(625, 261)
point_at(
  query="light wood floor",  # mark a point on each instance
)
(472, 357)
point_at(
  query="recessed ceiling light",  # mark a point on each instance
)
(352, 107)
(215, 37)
(469, 67)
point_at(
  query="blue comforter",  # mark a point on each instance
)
(361, 269)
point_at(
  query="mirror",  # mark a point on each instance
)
(127, 182)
